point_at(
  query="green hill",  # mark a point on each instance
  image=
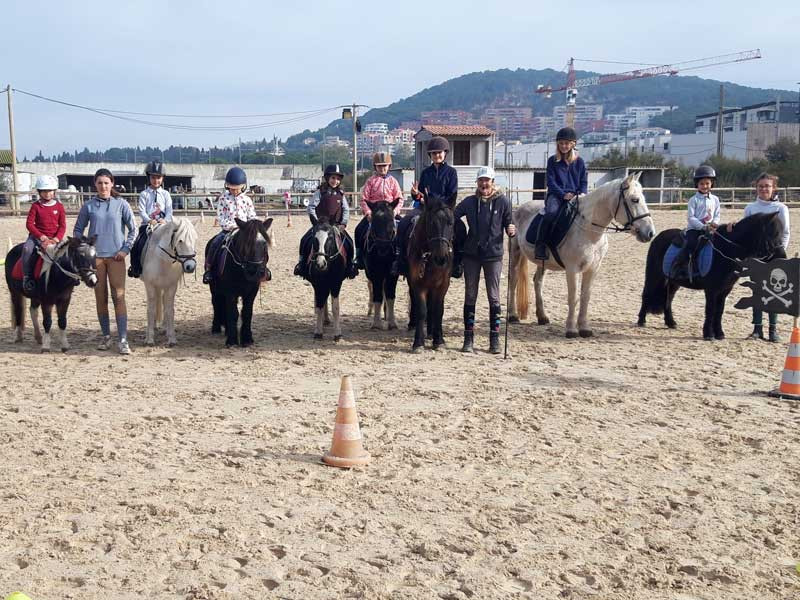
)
(476, 91)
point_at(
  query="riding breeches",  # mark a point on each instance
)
(28, 251)
(472, 278)
(213, 249)
(110, 273)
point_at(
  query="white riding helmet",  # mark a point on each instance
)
(46, 182)
(487, 172)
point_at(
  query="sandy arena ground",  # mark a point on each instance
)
(641, 464)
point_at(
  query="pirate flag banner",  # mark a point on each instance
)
(775, 285)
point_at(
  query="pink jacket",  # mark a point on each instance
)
(381, 189)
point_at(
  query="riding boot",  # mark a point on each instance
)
(495, 312)
(541, 239)
(28, 267)
(300, 268)
(469, 329)
(400, 264)
(773, 333)
(360, 259)
(758, 333)
(208, 276)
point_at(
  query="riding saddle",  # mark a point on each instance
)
(699, 262)
(558, 228)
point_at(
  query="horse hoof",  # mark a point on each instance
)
(317, 336)
(230, 345)
(392, 326)
(375, 326)
(246, 344)
(672, 325)
(64, 350)
(45, 350)
(336, 338)
(572, 334)
(149, 342)
(641, 323)
(417, 349)
(513, 319)
(543, 321)
(586, 333)
(719, 336)
(440, 346)
(172, 343)
(708, 338)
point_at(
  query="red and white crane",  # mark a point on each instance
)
(572, 85)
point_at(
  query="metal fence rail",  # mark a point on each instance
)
(192, 203)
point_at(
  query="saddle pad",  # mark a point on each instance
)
(559, 228)
(703, 260)
(16, 271)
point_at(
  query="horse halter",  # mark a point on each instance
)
(622, 200)
(174, 255)
(373, 240)
(79, 273)
(243, 263)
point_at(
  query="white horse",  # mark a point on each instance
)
(170, 251)
(582, 250)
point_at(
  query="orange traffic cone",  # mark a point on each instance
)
(346, 449)
(790, 379)
(289, 218)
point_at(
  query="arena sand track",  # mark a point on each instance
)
(641, 464)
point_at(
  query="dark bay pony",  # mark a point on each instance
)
(72, 261)
(327, 271)
(246, 253)
(756, 236)
(430, 260)
(378, 250)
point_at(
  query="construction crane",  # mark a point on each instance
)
(572, 85)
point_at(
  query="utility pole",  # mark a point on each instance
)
(15, 189)
(355, 154)
(240, 150)
(798, 113)
(720, 126)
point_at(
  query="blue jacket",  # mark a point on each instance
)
(439, 181)
(108, 220)
(564, 178)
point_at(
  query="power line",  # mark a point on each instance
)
(618, 62)
(302, 115)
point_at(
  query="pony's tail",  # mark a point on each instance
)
(654, 294)
(520, 265)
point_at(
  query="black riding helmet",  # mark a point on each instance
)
(705, 172)
(332, 170)
(438, 144)
(155, 167)
(567, 133)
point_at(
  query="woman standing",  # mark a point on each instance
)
(488, 215)
(108, 217)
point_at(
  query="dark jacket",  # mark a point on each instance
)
(487, 220)
(564, 178)
(439, 181)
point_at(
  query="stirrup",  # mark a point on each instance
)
(208, 277)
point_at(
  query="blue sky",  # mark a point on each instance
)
(239, 57)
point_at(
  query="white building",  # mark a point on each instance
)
(376, 128)
(583, 113)
(738, 119)
(639, 116)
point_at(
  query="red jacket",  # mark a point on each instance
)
(49, 221)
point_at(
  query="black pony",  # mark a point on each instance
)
(327, 270)
(72, 262)
(378, 250)
(245, 256)
(758, 236)
(430, 260)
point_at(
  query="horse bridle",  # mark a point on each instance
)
(241, 262)
(373, 240)
(337, 237)
(175, 256)
(76, 275)
(621, 200)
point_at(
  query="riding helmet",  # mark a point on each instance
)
(704, 172)
(332, 170)
(155, 167)
(381, 158)
(567, 133)
(438, 144)
(236, 176)
(46, 182)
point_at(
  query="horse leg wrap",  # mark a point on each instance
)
(469, 317)
(495, 314)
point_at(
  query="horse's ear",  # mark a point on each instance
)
(637, 175)
(371, 205)
(239, 223)
(267, 223)
(394, 204)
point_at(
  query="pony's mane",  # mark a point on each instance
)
(245, 238)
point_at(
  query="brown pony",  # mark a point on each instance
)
(430, 259)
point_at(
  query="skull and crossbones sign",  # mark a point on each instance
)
(777, 288)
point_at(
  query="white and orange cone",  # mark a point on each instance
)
(346, 449)
(202, 216)
(289, 217)
(790, 379)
